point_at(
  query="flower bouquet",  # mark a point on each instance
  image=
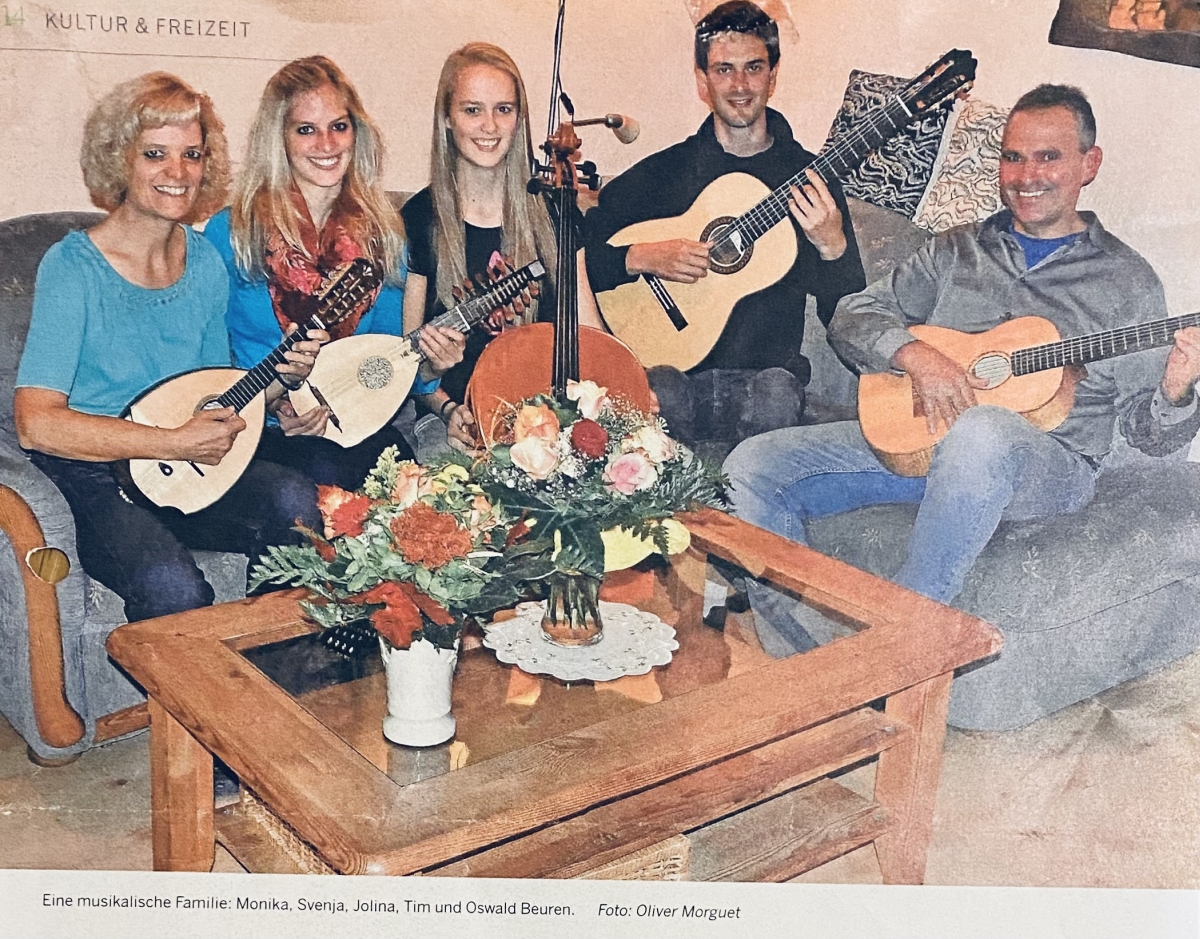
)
(407, 555)
(591, 484)
(404, 558)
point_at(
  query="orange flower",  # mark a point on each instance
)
(409, 479)
(535, 420)
(342, 511)
(400, 616)
(427, 537)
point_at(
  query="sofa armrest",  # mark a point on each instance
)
(26, 494)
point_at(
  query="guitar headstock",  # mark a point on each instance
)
(345, 288)
(950, 75)
(502, 294)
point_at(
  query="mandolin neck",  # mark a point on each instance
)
(255, 381)
(835, 161)
(466, 314)
(1097, 346)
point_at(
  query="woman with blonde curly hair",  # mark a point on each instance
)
(309, 200)
(138, 298)
(476, 207)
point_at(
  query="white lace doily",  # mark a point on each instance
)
(634, 642)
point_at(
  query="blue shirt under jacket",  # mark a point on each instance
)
(253, 329)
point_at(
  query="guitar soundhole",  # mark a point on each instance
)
(731, 250)
(993, 367)
(375, 372)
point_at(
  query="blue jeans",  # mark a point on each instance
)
(141, 553)
(992, 465)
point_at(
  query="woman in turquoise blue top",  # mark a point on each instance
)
(309, 200)
(137, 299)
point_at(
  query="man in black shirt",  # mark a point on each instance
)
(753, 379)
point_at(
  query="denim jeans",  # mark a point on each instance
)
(325, 462)
(992, 465)
(727, 405)
(141, 553)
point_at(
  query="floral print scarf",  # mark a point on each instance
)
(294, 276)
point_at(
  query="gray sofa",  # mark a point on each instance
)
(100, 695)
(1085, 601)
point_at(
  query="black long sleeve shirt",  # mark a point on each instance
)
(765, 329)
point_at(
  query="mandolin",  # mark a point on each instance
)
(190, 486)
(679, 324)
(363, 380)
(1028, 368)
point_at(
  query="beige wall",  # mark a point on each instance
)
(632, 56)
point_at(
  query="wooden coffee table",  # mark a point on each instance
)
(585, 776)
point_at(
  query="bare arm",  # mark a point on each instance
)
(46, 423)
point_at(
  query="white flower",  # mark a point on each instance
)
(650, 439)
(591, 398)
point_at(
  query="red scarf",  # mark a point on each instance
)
(294, 276)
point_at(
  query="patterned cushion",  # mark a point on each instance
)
(894, 176)
(966, 185)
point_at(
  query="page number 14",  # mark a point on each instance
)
(13, 17)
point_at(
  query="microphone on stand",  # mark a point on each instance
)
(624, 127)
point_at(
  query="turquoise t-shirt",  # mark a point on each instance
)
(102, 341)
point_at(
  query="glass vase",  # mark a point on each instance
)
(572, 616)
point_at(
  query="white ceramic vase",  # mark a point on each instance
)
(418, 693)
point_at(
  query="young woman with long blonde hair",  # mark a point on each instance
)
(310, 199)
(477, 207)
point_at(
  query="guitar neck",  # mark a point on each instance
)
(255, 381)
(833, 162)
(466, 314)
(1097, 346)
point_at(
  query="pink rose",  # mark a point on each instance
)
(590, 397)
(630, 472)
(408, 484)
(651, 441)
(535, 420)
(535, 456)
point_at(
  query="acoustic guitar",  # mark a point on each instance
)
(1027, 367)
(190, 486)
(679, 324)
(364, 379)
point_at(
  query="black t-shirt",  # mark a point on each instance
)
(482, 243)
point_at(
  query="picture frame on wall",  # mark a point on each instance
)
(1162, 30)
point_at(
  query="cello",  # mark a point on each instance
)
(542, 357)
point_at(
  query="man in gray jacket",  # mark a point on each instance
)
(1040, 256)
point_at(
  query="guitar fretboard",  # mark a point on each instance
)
(466, 314)
(833, 162)
(1097, 346)
(336, 304)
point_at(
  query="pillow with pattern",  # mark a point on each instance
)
(966, 182)
(896, 175)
